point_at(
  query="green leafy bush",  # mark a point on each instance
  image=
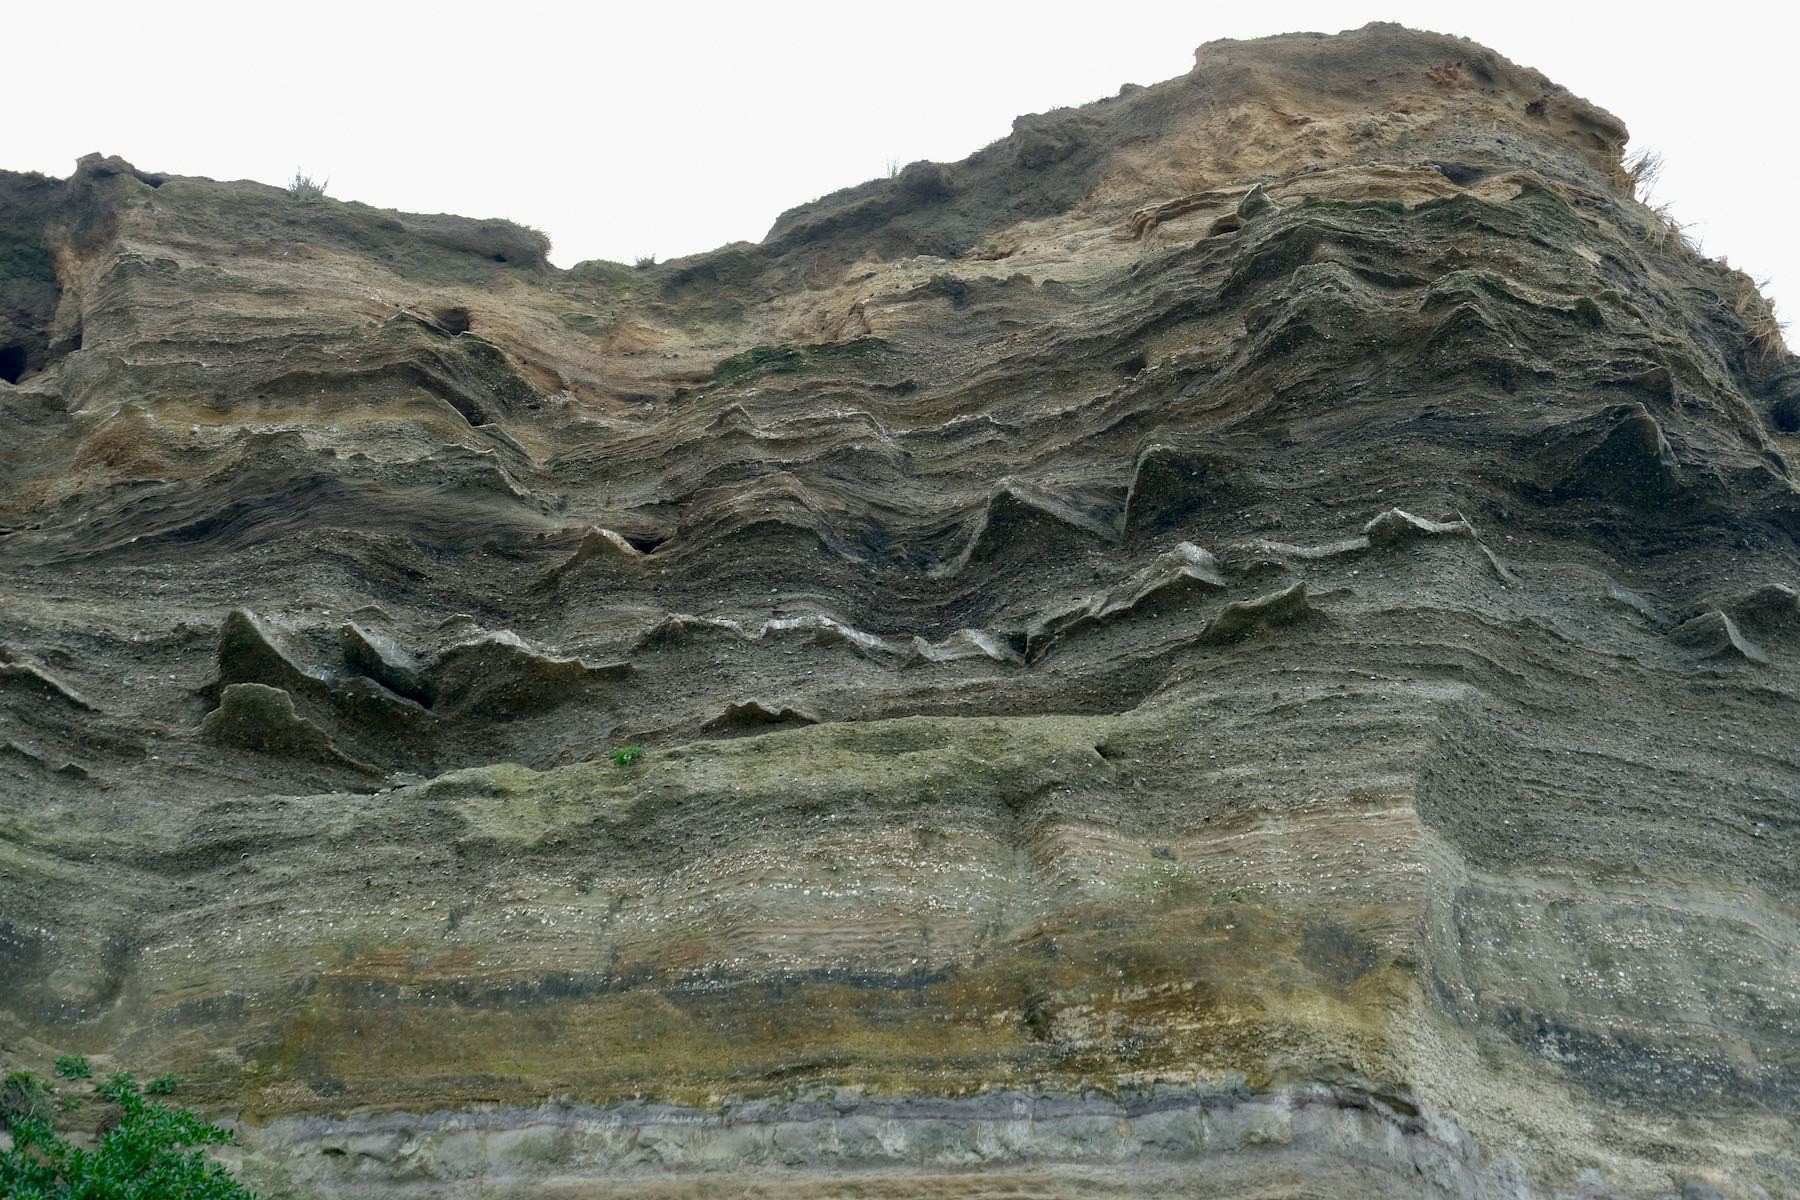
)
(73, 1066)
(153, 1152)
(304, 189)
(624, 756)
(23, 1097)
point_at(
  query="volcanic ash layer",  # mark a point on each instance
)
(1240, 641)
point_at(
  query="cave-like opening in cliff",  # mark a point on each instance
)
(13, 360)
(645, 545)
(453, 320)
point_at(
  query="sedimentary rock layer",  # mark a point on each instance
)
(1246, 630)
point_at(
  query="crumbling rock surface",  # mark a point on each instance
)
(1240, 641)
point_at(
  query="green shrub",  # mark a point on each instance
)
(153, 1152)
(304, 190)
(23, 1097)
(624, 756)
(73, 1066)
(162, 1085)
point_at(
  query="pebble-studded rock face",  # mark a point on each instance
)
(1243, 637)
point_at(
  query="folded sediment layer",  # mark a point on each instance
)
(1243, 637)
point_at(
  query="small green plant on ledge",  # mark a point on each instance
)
(73, 1066)
(624, 756)
(151, 1151)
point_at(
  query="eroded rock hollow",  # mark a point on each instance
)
(1240, 641)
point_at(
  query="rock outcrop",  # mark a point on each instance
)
(1239, 641)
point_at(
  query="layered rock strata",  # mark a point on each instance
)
(1240, 641)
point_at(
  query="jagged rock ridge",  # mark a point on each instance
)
(1241, 638)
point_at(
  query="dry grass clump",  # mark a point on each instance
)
(1664, 232)
(1757, 313)
(1643, 169)
(1660, 230)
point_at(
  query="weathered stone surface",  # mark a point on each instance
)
(1239, 641)
(261, 718)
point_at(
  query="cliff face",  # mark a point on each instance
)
(1240, 641)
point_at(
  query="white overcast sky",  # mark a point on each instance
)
(627, 129)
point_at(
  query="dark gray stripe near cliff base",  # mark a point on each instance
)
(1194, 1141)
